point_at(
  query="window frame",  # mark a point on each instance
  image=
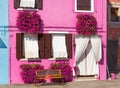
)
(68, 51)
(92, 7)
(111, 23)
(44, 45)
(38, 5)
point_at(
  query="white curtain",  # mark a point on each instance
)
(88, 53)
(31, 46)
(59, 46)
(27, 3)
(96, 48)
(91, 64)
(81, 45)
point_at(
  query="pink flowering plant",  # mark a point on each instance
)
(28, 73)
(66, 71)
(28, 22)
(86, 24)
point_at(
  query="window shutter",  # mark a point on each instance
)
(19, 45)
(69, 45)
(39, 4)
(48, 45)
(16, 4)
(45, 46)
(41, 45)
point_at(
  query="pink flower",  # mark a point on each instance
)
(27, 21)
(86, 24)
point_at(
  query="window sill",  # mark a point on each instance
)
(25, 59)
(114, 24)
(86, 11)
(66, 59)
(27, 9)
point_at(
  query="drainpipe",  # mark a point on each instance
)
(10, 64)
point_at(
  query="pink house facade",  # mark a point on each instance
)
(58, 16)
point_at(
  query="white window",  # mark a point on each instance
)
(84, 5)
(59, 46)
(41, 46)
(114, 15)
(31, 46)
(27, 3)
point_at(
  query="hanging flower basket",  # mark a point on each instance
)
(86, 24)
(28, 22)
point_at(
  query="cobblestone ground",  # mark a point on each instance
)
(78, 84)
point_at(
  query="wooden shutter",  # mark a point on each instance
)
(19, 45)
(39, 4)
(83, 4)
(45, 46)
(69, 44)
(41, 45)
(16, 4)
(48, 45)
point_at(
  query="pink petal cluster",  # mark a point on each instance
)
(66, 71)
(86, 24)
(28, 73)
(28, 22)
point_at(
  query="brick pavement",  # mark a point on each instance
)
(77, 84)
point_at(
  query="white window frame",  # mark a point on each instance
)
(92, 7)
(114, 24)
(28, 8)
(21, 9)
(58, 32)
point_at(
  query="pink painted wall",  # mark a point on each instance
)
(55, 13)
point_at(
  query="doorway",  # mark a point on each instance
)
(88, 53)
(112, 55)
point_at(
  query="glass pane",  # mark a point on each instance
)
(83, 4)
(114, 14)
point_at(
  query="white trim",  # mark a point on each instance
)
(27, 9)
(92, 7)
(27, 3)
(26, 59)
(65, 59)
(58, 32)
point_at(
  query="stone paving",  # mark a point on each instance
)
(78, 84)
